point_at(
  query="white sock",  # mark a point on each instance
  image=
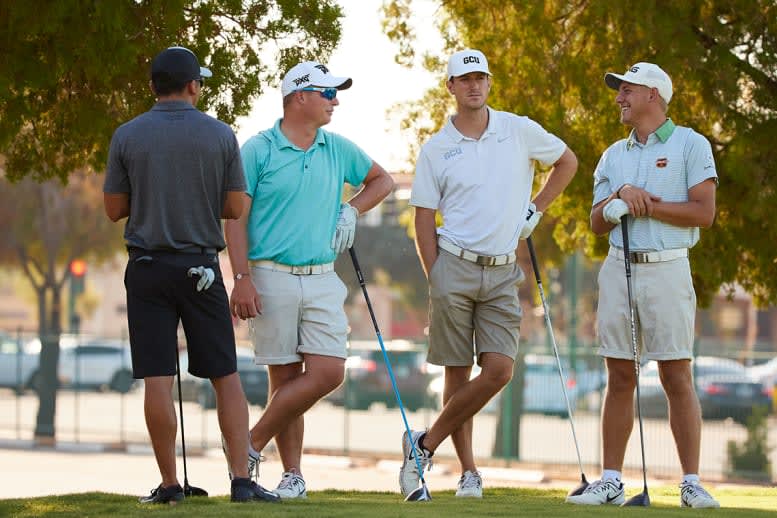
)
(251, 449)
(611, 474)
(691, 478)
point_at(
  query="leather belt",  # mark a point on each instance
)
(482, 260)
(305, 269)
(650, 257)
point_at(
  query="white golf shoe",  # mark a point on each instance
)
(600, 492)
(470, 485)
(409, 477)
(254, 458)
(292, 485)
(693, 495)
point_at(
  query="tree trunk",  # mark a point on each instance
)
(49, 329)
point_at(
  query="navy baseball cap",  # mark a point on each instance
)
(178, 64)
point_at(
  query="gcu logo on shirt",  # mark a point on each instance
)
(452, 153)
(471, 59)
(303, 79)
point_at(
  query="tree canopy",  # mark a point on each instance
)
(548, 60)
(74, 70)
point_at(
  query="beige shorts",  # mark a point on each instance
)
(474, 310)
(301, 314)
(664, 310)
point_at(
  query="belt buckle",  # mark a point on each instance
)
(485, 260)
(640, 257)
(300, 270)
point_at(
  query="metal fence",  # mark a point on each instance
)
(93, 409)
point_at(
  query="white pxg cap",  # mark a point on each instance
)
(466, 61)
(645, 74)
(311, 73)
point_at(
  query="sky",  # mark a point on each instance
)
(367, 56)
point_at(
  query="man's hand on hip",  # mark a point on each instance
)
(245, 302)
(532, 218)
(346, 228)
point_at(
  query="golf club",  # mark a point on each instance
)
(642, 499)
(187, 489)
(420, 494)
(583, 482)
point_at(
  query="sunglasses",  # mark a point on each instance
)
(326, 93)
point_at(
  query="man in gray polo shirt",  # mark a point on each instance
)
(174, 172)
(663, 177)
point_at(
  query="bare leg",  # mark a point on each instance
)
(162, 424)
(618, 411)
(322, 375)
(472, 395)
(455, 377)
(288, 440)
(684, 411)
(233, 420)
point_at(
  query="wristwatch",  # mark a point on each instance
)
(239, 276)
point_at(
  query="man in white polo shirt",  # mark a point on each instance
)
(663, 177)
(477, 171)
(291, 233)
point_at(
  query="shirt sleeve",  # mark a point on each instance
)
(253, 157)
(699, 162)
(603, 185)
(235, 176)
(356, 162)
(543, 146)
(426, 191)
(116, 173)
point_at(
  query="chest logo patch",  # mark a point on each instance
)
(452, 153)
(661, 162)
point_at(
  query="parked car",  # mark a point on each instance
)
(542, 392)
(100, 364)
(367, 380)
(724, 387)
(17, 364)
(766, 374)
(253, 377)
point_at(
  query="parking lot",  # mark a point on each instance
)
(111, 418)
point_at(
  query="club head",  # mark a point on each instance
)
(193, 491)
(580, 488)
(640, 500)
(420, 494)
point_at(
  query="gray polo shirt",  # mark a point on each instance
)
(673, 160)
(177, 164)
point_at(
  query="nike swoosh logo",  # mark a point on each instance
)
(611, 498)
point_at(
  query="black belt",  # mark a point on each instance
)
(198, 250)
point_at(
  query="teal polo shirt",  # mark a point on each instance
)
(672, 160)
(296, 194)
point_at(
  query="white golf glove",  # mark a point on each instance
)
(615, 210)
(206, 275)
(346, 228)
(532, 218)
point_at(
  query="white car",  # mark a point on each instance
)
(542, 392)
(17, 364)
(101, 364)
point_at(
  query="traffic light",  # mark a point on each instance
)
(77, 273)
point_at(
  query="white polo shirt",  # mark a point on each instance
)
(482, 187)
(673, 160)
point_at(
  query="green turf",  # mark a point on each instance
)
(756, 502)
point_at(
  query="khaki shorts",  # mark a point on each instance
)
(301, 314)
(474, 310)
(664, 310)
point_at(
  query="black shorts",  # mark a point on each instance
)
(159, 295)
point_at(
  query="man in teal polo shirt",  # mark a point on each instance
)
(282, 252)
(663, 177)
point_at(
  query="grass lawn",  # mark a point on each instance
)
(498, 502)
